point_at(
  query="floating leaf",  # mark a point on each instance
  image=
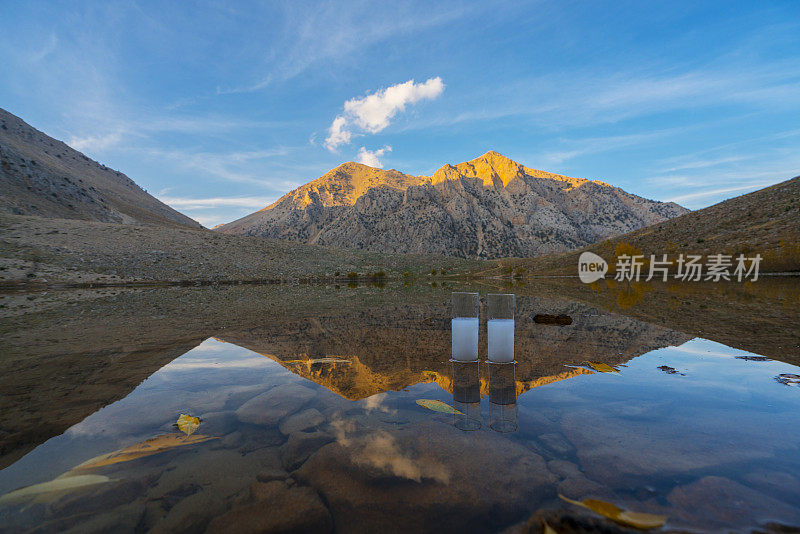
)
(145, 448)
(188, 424)
(437, 406)
(59, 484)
(623, 517)
(602, 367)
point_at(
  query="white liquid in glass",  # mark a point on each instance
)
(501, 340)
(465, 339)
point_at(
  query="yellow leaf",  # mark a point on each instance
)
(188, 424)
(59, 484)
(145, 448)
(602, 367)
(624, 517)
(549, 530)
(437, 406)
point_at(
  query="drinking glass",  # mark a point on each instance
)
(500, 326)
(465, 327)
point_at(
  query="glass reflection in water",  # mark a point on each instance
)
(503, 396)
(467, 395)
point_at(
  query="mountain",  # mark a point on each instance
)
(489, 207)
(42, 176)
(765, 222)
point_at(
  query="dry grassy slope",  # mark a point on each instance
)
(765, 222)
(60, 250)
(489, 207)
(42, 176)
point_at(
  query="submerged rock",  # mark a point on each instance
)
(272, 406)
(717, 502)
(556, 443)
(615, 447)
(301, 421)
(426, 478)
(546, 521)
(275, 507)
(564, 469)
(300, 446)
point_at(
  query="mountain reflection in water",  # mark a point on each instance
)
(313, 423)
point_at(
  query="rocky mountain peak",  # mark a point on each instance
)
(493, 168)
(487, 207)
(343, 185)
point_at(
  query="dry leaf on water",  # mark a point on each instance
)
(437, 406)
(61, 483)
(145, 448)
(188, 424)
(602, 367)
(623, 517)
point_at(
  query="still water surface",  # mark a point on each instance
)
(311, 423)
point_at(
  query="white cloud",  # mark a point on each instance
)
(94, 143)
(374, 112)
(372, 158)
(338, 134)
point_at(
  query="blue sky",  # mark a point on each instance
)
(220, 108)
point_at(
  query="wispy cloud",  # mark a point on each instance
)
(218, 202)
(94, 143)
(691, 197)
(706, 163)
(372, 158)
(329, 33)
(373, 113)
(563, 100)
(46, 49)
(582, 146)
(715, 173)
(110, 128)
(229, 166)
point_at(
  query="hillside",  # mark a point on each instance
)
(766, 222)
(489, 207)
(44, 177)
(40, 251)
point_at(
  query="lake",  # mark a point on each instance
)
(329, 408)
